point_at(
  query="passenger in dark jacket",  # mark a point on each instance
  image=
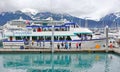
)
(58, 46)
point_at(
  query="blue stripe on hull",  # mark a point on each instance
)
(60, 40)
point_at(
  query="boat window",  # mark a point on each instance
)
(68, 38)
(23, 37)
(85, 36)
(41, 38)
(68, 28)
(28, 38)
(29, 29)
(55, 38)
(48, 38)
(62, 29)
(34, 37)
(77, 26)
(44, 29)
(34, 30)
(62, 38)
(56, 29)
(11, 38)
(18, 38)
(44, 24)
(72, 26)
(49, 29)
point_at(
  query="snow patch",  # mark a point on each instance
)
(29, 10)
(3, 13)
(117, 14)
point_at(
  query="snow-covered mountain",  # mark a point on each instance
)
(29, 11)
(31, 14)
(7, 16)
(112, 19)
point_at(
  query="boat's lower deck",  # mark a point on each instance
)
(57, 44)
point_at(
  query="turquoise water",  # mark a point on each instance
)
(83, 62)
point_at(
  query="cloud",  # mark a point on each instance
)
(80, 8)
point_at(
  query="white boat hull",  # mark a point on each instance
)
(84, 44)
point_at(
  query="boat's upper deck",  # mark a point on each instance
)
(44, 28)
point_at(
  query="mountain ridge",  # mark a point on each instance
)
(110, 19)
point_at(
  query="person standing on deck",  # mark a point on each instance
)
(66, 45)
(50, 44)
(40, 43)
(58, 46)
(32, 42)
(77, 45)
(43, 44)
(70, 45)
(62, 45)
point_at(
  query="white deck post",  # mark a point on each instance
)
(106, 38)
(30, 41)
(52, 38)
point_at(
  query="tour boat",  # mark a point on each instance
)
(38, 34)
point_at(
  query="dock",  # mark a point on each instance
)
(43, 50)
(116, 51)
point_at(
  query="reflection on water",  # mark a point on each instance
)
(58, 62)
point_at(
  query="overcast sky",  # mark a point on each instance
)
(80, 8)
